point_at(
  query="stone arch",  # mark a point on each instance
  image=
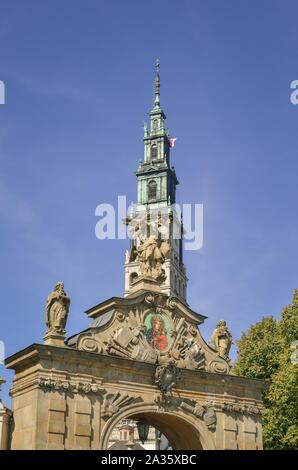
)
(183, 430)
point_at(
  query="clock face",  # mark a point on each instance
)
(157, 331)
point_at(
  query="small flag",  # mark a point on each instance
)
(172, 141)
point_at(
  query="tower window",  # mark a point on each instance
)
(152, 190)
(133, 277)
(153, 152)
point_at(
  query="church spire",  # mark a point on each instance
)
(157, 85)
(155, 208)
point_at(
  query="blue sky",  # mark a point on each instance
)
(79, 84)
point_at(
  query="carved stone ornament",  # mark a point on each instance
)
(172, 303)
(90, 344)
(242, 408)
(191, 354)
(164, 401)
(129, 341)
(167, 376)
(149, 298)
(113, 402)
(218, 367)
(152, 328)
(201, 410)
(48, 384)
(204, 411)
(150, 251)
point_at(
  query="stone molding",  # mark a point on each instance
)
(242, 408)
(62, 385)
(205, 410)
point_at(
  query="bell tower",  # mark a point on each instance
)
(157, 181)
(156, 208)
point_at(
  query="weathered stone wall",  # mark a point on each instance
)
(69, 399)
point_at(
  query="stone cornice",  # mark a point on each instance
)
(69, 386)
(242, 408)
(47, 355)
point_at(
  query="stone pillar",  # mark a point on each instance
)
(5, 424)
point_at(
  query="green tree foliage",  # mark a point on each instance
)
(258, 350)
(264, 352)
(281, 418)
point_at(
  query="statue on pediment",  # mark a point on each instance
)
(57, 307)
(221, 339)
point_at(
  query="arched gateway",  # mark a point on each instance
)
(143, 356)
(70, 396)
(181, 428)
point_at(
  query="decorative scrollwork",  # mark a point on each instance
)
(218, 367)
(114, 401)
(90, 344)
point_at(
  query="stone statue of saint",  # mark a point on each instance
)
(57, 308)
(151, 257)
(150, 249)
(221, 339)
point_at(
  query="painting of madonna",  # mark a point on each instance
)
(157, 334)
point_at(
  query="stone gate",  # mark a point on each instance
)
(70, 396)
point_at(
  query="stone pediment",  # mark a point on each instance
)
(149, 327)
(157, 165)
